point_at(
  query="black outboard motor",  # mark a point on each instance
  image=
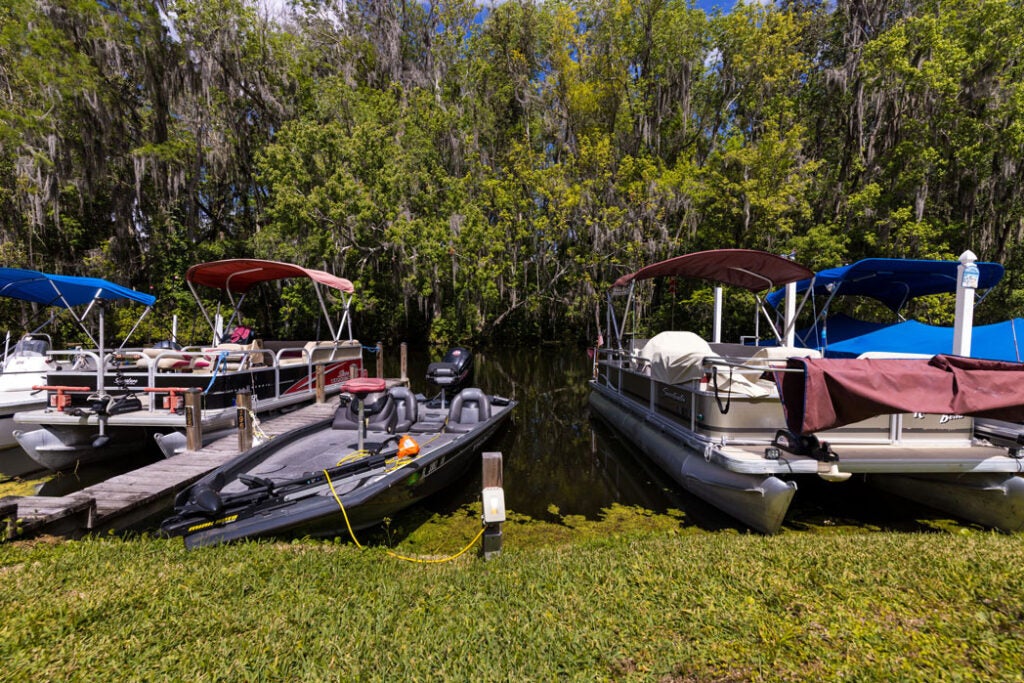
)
(453, 373)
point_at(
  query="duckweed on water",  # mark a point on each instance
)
(633, 596)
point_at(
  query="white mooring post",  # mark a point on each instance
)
(789, 333)
(966, 283)
(493, 504)
(716, 331)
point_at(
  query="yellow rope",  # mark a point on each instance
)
(257, 430)
(438, 560)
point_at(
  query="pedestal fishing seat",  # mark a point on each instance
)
(469, 408)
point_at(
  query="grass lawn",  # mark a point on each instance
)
(631, 597)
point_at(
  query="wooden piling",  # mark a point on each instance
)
(380, 359)
(243, 400)
(194, 419)
(321, 389)
(492, 477)
(405, 362)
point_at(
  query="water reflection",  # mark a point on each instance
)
(558, 461)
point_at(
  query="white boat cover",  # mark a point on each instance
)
(677, 357)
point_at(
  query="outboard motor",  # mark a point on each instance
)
(453, 373)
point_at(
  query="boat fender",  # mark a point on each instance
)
(407, 447)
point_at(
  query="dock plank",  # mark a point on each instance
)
(118, 502)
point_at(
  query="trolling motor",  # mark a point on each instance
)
(453, 373)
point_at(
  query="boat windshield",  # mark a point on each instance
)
(31, 346)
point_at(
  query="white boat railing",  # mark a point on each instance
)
(198, 361)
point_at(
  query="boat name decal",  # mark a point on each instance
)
(943, 419)
(675, 395)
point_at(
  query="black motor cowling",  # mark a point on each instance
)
(454, 372)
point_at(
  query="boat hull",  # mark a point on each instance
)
(331, 506)
(759, 501)
(992, 499)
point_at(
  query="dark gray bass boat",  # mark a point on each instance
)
(384, 450)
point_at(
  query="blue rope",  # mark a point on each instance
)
(371, 349)
(216, 368)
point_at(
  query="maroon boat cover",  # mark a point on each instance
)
(832, 392)
(240, 275)
(748, 268)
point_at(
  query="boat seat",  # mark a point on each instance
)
(406, 408)
(379, 410)
(469, 408)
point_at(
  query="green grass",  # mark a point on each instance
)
(633, 597)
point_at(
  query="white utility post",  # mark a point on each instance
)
(966, 283)
(790, 319)
(716, 332)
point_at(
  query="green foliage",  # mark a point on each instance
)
(488, 177)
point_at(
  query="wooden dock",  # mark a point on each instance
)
(141, 498)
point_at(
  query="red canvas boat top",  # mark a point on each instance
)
(240, 275)
(747, 268)
(832, 392)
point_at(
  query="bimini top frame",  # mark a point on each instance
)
(238, 276)
(70, 292)
(753, 270)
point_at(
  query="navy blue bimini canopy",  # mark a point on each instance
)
(894, 282)
(64, 291)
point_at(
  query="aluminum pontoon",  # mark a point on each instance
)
(710, 413)
(111, 403)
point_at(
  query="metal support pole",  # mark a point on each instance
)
(193, 419)
(243, 401)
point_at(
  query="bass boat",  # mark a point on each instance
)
(384, 450)
(712, 416)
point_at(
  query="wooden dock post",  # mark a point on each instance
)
(405, 362)
(243, 400)
(380, 359)
(321, 390)
(493, 505)
(194, 419)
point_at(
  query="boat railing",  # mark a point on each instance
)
(130, 364)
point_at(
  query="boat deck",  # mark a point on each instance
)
(133, 500)
(330, 447)
(158, 417)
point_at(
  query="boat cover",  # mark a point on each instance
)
(748, 268)
(64, 291)
(825, 393)
(677, 357)
(892, 281)
(998, 341)
(241, 275)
